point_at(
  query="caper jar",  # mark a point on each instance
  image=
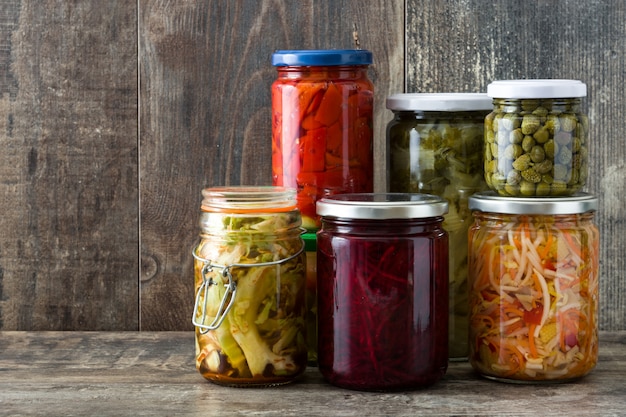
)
(250, 278)
(536, 138)
(434, 145)
(533, 275)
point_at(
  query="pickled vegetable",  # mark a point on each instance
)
(322, 135)
(533, 296)
(383, 307)
(261, 340)
(441, 153)
(536, 147)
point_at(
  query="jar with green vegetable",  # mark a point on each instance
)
(434, 146)
(250, 280)
(536, 138)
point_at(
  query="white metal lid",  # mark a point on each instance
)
(439, 102)
(537, 89)
(382, 206)
(490, 202)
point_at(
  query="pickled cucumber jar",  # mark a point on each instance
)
(536, 138)
(533, 275)
(434, 145)
(250, 279)
(322, 118)
(382, 264)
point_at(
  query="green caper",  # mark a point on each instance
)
(537, 154)
(498, 180)
(522, 163)
(531, 175)
(516, 136)
(574, 177)
(563, 138)
(565, 155)
(543, 167)
(494, 149)
(490, 136)
(576, 144)
(553, 124)
(547, 179)
(513, 177)
(550, 148)
(512, 151)
(491, 166)
(530, 105)
(541, 111)
(527, 188)
(511, 189)
(530, 124)
(558, 188)
(488, 155)
(568, 122)
(510, 122)
(527, 143)
(542, 135)
(543, 188)
(497, 120)
(559, 172)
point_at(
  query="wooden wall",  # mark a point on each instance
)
(115, 114)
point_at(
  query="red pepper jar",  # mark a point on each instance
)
(382, 265)
(322, 117)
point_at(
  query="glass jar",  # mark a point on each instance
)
(382, 264)
(434, 145)
(249, 266)
(322, 117)
(536, 138)
(533, 275)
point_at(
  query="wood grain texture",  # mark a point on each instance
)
(153, 374)
(68, 166)
(206, 75)
(464, 45)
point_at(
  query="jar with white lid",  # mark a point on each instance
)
(435, 145)
(536, 138)
(533, 277)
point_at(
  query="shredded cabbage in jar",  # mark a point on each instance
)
(533, 298)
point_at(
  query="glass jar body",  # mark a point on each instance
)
(536, 147)
(250, 281)
(440, 152)
(382, 303)
(322, 140)
(533, 296)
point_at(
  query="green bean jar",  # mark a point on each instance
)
(434, 146)
(536, 138)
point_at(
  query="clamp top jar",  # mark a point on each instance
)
(536, 138)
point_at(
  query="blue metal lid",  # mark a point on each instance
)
(321, 57)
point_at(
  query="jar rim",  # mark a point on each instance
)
(382, 206)
(243, 199)
(537, 88)
(451, 102)
(491, 202)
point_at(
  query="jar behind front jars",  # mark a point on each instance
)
(533, 275)
(434, 146)
(536, 138)
(250, 278)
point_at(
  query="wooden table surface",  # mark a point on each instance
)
(152, 373)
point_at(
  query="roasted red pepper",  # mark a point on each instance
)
(322, 133)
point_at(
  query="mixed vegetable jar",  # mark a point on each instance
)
(382, 264)
(434, 145)
(250, 279)
(533, 275)
(536, 138)
(322, 116)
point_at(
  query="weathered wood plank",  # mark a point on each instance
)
(147, 374)
(205, 117)
(462, 46)
(68, 166)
